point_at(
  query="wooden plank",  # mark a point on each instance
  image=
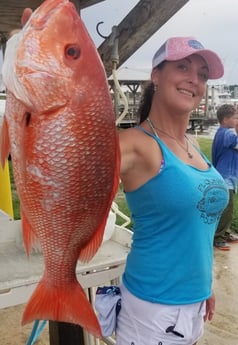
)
(137, 27)
(11, 11)
(87, 3)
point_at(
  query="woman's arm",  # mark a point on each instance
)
(210, 308)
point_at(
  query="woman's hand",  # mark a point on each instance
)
(210, 308)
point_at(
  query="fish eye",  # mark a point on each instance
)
(72, 52)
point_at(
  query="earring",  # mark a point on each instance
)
(155, 88)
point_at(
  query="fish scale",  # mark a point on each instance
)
(59, 127)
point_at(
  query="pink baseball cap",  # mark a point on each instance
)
(177, 48)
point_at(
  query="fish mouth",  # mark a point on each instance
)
(47, 10)
(35, 68)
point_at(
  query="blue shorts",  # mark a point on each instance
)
(144, 323)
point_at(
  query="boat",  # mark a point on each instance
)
(218, 95)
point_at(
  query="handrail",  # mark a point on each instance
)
(116, 210)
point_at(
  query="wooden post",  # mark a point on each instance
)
(62, 333)
(133, 33)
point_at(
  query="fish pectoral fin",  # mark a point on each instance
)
(4, 143)
(29, 238)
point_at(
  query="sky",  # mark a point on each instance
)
(213, 22)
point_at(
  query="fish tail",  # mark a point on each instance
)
(64, 304)
(4, 143)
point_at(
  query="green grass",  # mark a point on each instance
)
(205, 145)
(122, 205)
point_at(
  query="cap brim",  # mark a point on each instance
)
(214, 63)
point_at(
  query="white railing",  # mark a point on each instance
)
(19, 275)
(116, 210)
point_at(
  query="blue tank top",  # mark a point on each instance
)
(175, 215)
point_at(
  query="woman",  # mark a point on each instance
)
(176, 198)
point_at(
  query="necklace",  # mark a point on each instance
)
(154, 130)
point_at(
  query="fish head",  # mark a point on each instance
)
(52, 62)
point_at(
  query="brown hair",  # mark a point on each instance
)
(146, 98)
(225, 110)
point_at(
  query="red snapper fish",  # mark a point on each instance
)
(59, 127)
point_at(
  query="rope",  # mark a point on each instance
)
(36, 331)
(123, 114)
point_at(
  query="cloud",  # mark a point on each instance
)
(213, 22)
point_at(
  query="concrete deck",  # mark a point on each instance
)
(223, 329)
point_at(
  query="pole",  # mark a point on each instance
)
(62, 333)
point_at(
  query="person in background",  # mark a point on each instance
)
(225, 160)
(176, 198)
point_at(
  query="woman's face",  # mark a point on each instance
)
(181, 84)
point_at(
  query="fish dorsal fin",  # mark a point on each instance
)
(4, 143)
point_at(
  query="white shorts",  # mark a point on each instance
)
(144, 323)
